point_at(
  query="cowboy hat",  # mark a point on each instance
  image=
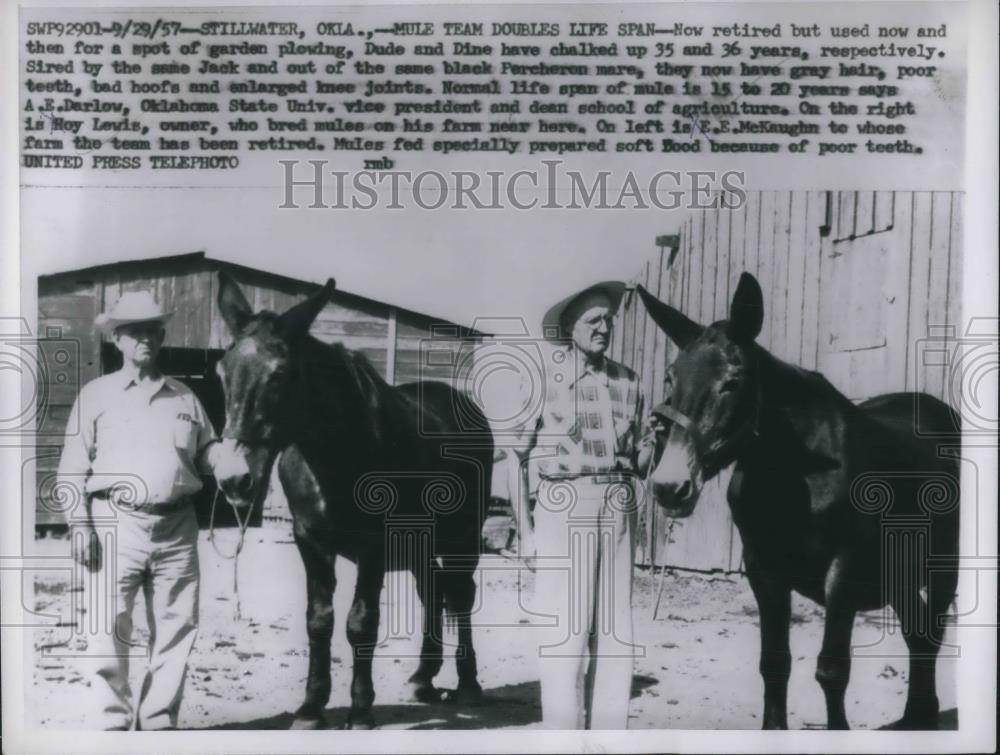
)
(556, 325)
(132, 306)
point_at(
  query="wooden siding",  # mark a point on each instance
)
(69, 355)
(863, 286)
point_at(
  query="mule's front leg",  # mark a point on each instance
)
(362, 633)
(320, 583)
(774, 601)
(833, 667)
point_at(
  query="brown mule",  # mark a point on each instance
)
(853, 506)
(389, 477)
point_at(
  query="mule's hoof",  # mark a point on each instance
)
(924, 721)
(307, 724)
(360, 721)
(468, 694)
(424, 692)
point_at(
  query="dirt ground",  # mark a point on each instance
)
(697, 667)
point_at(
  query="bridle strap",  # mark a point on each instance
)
(676, 416)
(714, 458)
(276, 441)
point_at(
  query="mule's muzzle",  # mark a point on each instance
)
(232, 472)
(677, 500)
(238, 490)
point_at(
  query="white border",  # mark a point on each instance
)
(977, 673)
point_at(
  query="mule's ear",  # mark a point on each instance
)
(296, 321)
(233, 304)
(679, 329)
(746, 312)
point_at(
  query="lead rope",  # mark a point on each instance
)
(670, 531)
(663, 569)
(235, 557)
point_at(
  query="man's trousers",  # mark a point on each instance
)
(584, 529)
(157, 553)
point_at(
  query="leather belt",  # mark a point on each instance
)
(146, 508)
(601, 478)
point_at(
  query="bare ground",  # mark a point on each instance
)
(697, 667)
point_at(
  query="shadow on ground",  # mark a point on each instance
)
(510, 705)
(947, 721)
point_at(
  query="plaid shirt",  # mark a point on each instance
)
(590, 422)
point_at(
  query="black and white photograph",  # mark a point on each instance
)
(594, 377)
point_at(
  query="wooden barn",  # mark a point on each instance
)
(862, 286)
(403, 345)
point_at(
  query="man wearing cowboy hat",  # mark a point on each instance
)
(143, 441)
(579, 457)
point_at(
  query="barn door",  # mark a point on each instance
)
(862, 292)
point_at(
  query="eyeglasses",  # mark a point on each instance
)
(140, 329)
(594, 323)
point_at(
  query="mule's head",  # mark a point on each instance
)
(258, 373)
(712, 395)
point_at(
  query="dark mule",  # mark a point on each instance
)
(389, 477)
(846, 504)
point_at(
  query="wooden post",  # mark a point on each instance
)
(390, 349)
(651, 506)
(102, 306)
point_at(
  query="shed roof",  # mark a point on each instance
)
(196, 259)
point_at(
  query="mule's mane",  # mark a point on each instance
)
(343, 387)
(786, 382)
(807, 400)
(793, 382)
(359, 368)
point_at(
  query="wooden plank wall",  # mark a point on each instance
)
(69, 356)
(191, 293)
(863, 286)
(363, 329)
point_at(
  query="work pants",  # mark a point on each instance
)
(157, 553)
(584, 529)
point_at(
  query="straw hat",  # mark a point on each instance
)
(132, 306)
(556, 324)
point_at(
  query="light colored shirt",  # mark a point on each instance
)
(143, 441)
(590, 421)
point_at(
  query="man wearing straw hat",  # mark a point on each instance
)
(581, 455)
(137, 446)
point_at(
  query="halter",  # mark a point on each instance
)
(243, 525)
(718, 455)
